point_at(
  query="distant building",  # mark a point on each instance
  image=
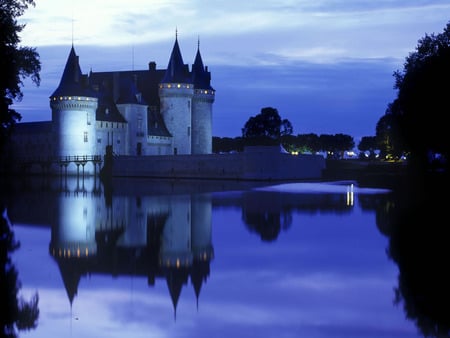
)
(136, 112)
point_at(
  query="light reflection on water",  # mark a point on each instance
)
(206, 259)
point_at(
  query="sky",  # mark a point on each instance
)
(327, 65)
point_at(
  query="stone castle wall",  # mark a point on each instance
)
(250, 165)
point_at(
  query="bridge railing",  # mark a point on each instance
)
(60, 159)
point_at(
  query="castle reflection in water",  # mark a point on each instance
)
(160, 229)
(160, 234)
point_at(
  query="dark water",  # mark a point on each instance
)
(147, 258)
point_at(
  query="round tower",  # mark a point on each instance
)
(175, 93)
(74, 107)
(202, 102)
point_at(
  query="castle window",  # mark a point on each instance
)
(85, 136)
(99, 140)
(88, 119)
(189, 131)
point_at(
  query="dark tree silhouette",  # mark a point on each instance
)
(266, 127)
(15, 313)
(368, 143)
(16, 64)
(421, 108)
(336, 145)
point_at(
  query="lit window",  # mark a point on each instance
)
(179, 86)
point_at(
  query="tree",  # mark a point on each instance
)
(16, 64)
(388, 134)
(266, 127)
(368, 143)
(336, 145)
(419, 113)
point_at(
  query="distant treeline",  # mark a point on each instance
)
(333, 145)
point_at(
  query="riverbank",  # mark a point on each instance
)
(367, 173)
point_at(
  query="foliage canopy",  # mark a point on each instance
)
(416, 121)
(16, 63)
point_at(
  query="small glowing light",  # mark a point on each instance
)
(178, 263)
(169, 86)
(350, 195)
(87, 252)
(179, 86)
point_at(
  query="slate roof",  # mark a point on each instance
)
(73, 82)
(177, 71)
(200, 76)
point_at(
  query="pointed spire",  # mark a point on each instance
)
(72, 79)
(200, 75)
(176, 70)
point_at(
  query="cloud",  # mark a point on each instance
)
(313, 31)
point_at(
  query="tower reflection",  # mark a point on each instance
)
(161, 234)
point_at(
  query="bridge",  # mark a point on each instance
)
(45, 163)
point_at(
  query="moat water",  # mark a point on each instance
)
(147, 258)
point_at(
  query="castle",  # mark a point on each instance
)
(135, 112)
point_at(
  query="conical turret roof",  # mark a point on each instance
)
(73, 82)
(177, 71)
(200, 76)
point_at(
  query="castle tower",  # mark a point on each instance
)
(175, 93)
(201, 107)
(134, 109)
(74, 106)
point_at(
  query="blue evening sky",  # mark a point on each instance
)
(326, 65)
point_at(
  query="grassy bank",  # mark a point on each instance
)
(366, 173)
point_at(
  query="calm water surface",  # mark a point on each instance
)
(148, 258)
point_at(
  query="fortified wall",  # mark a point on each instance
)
(255, 163)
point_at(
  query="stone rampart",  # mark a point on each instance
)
(257, 164)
